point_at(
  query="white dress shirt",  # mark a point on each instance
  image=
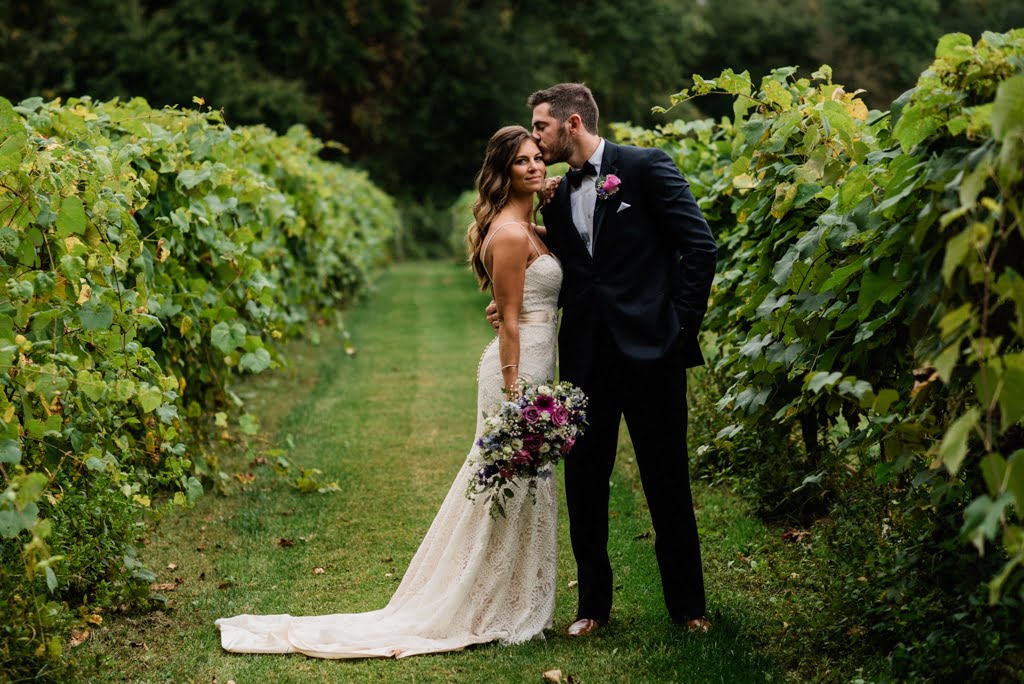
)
(584, 200)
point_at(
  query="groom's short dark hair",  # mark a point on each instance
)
(566, 99)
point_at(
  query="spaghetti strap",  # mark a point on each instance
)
(494, 231)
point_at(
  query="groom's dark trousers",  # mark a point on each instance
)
(652, 397)
(630, 315)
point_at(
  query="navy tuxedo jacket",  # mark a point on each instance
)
(649, 279)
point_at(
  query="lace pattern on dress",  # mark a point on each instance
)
(474, 578)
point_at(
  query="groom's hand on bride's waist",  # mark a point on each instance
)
(492, 315)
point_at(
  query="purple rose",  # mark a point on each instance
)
(532, 441)
(569, 444)
(559, 416)
(531, 414)
(611, 182)
(521, 457)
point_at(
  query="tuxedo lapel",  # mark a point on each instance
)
(611, 154)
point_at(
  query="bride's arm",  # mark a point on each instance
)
(509, 252)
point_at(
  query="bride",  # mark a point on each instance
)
(474, 578)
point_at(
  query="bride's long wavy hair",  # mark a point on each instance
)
(493, 189)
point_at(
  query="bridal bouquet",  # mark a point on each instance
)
(523, 437)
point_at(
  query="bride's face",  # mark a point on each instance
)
(528, 169)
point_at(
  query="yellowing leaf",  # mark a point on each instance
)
(744, 181)
(161, 251)
(857, 109)
(777, 93)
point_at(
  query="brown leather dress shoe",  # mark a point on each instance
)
(583, 627)
(698, 625)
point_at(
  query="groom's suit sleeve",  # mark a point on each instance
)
(689, 233)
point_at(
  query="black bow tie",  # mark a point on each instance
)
(576, 176)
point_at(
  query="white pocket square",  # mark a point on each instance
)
(623, 207)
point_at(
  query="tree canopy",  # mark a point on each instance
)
(413, 88)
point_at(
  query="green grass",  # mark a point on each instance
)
(392, 424)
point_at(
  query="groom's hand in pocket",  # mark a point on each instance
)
(492, 315)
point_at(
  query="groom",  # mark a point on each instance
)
(638, 260)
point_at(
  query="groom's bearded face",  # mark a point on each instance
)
(551, 135)
(561, 149)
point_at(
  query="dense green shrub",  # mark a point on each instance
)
(867, 334)
(147, 257)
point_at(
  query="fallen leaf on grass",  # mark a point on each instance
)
(795, 535)
(642, 535)
(225, 585)
(553, 676)
(285, 543)
(572, 583)
(139, 644)
(78, 636)
(95, 619)
(245, 478)
(172, 566)
(201, 548)
(318, 571)
(167, 586)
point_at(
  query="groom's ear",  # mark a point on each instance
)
(575, 122)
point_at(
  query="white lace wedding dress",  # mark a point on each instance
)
(474, 578)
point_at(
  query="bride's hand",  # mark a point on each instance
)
(547, 193)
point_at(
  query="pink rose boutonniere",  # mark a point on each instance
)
(608, 186)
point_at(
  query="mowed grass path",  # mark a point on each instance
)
(392, 424)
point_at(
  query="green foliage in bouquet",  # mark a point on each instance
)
(148, 256)
(867, 327)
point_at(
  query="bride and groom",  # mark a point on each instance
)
(628, 257)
